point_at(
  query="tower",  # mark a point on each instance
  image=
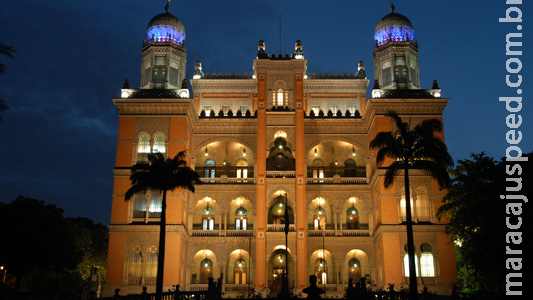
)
(396, 63)
(164, 55)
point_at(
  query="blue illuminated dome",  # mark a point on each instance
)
(165, 28)
(394, 27)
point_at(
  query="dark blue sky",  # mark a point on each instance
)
(58, 140)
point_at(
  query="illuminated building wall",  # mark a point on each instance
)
(276, 146)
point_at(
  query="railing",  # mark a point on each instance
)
(319, 232)
(239, 232)
(198, 287)
(280, 174)
(227, 180)
(237, 288)
(338, 180)
(183, 295)
(279, 227)
(205, 232)
(355, 232)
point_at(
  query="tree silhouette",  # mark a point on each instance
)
(161, 175)
(415, 148)
(5, 50)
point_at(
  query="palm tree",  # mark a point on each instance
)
(161, 175)
(413, 149)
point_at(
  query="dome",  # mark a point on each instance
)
(394, 25)
(165, 27)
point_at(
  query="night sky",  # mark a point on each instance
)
(58, 140)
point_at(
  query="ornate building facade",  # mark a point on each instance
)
(276, 146)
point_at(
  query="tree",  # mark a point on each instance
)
(415, 148)
(160, 175)
(474, 210)
(5, 50)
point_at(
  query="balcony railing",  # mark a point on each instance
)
(338, 180)
(205, 232)
(280, 174)
(319, 232)
(280, 227)
(239, 232)
(228, 180)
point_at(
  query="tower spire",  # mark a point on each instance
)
(391, 6)
(167, 7)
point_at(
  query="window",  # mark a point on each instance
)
(350, 168)
(241, 218)
(352, 109)
(427, 266)
(156, 203)
(208, 219)
(143, 147)
(319, 218)
(334, 108)
(279, 97)
(151, 265)
(206, 270)
(242, 168)
(240, 271)
(135, 267)
(209, 168)
(406, 264)
(243, 109)
(318, 168)
(159, 143)
(403, 215)
(315, 109)
(139, 206)
(354, 270)
(173, 76)
(422, 205)
(321, 270)
(387, 77)
(352, 218)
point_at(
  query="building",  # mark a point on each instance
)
(273, 141)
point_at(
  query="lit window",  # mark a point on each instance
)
(279, 97)
(159, 143)
(427, 266)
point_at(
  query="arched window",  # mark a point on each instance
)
(143, 147)
(319, 218)
(242, 168)
(209, 168)
(427, 266)
(240, 271)
(208, 219)
(350, 168)
(159, 143)
(403, 215)
(406, 263)
(422, 205)
(135, 268)
(206, 270)
(139, 206)
(150, 271)
(321, 271)
(354, 270)
(156, 204)
(241, 218)
(352, 218)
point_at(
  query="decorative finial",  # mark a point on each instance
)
(391, 7)
(167, 7)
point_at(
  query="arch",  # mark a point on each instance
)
(427, 264)
(422, 204)
(204, 265)
(357, 145)
(200, 148)
(352, 218)
(356, 265)
(322, 265)
(239, 267)
(276, 211)
(135, 267)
